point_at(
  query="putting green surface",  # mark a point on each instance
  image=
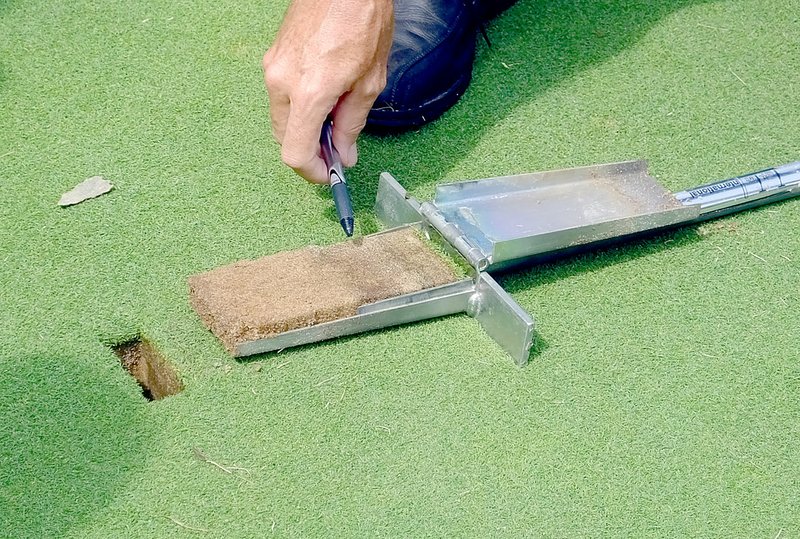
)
(662, 395)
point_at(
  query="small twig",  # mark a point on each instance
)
(227, 469)
(204, 458)
(282, 365)
(786, 258)
(758, 257)
(383, 427)
(777, 535)
(326, 381)
(182, 525)
(710, 27)
(6, 154)
(738, 77)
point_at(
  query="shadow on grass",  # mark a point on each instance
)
(69, 442)
(515, 280)
(559, 38)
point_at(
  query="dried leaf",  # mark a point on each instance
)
(93, 187)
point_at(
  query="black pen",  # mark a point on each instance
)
(341, 197)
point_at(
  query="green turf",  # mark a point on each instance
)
(662, 398)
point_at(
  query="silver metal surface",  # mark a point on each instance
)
(393, 206)
(503, 319)
(457, 294)
(751, 189)
(408, 308)
(492, 223)
(453, 235)
(514, 217)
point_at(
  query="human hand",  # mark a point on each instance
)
(329, 57)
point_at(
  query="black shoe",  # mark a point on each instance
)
(430, 63)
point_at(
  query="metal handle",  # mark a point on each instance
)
(715, 198)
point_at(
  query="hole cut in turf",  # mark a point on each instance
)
(145, 363)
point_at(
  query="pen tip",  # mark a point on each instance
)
(347, 225)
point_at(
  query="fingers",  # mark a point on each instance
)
(279, 107)
(313, 68)
(299, 135)
(300, 145)
(349, 119)
(297, 112)
(296, 118)
(274, 80)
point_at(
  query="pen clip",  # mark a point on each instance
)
(330, 155)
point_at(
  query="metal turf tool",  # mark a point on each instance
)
(500, 222)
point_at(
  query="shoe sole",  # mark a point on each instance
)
(387, 119)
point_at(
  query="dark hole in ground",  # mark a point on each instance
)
(153, 372)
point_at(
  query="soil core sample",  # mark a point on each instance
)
(257, 299)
